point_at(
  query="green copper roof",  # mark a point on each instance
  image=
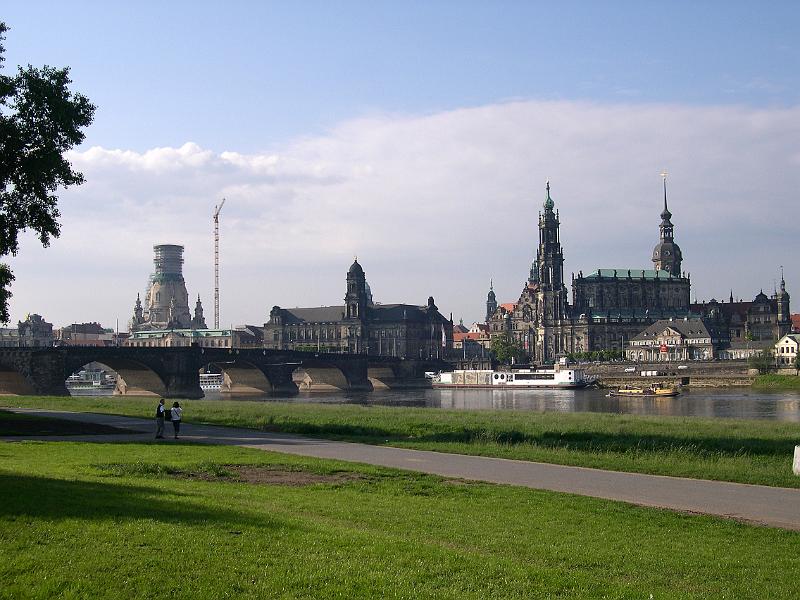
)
(632, 273)
(194, 333)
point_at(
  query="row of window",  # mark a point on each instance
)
(215, 343)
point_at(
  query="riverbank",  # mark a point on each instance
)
(699, 374)
(777, 382)
(743, 451)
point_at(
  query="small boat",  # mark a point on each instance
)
(656, 390)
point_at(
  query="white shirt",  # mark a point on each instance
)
(176, 413)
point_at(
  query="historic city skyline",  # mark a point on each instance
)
(436, 189)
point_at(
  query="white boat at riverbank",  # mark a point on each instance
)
(556, 377)
(211, 381)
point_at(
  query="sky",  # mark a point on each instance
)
(417, 136)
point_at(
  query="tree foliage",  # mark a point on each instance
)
(763, 362)
(506, 350)
(597, 355)
(40, 120)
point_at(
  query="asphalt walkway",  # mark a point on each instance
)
(776, 507)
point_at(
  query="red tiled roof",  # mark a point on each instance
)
(458, 337)
(509, 306)
(796, 323)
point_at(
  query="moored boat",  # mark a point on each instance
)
(655, 390)
(211, 381)
(557, 377)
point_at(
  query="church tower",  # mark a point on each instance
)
(548, 269)
(551, 310)
(199, 321)
(784, 317)
(667, 254)
(491, 302)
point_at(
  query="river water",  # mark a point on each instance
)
(738, 403)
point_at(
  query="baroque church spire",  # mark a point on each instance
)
(199, 321)
(491, 301)
(667, 254)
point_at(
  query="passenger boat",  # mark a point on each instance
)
(557, 377)
(656, 390)
(211, 381)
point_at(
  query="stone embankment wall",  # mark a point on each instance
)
(727, 373)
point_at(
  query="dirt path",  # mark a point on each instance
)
(776, 507)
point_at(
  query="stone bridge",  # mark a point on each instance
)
(175, 372)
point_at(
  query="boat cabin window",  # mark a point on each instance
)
(537, 376)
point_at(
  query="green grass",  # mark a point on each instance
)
(81, 520)
(758, 452)
(777, 382)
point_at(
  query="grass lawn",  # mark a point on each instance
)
(758, 452)
(96, 520)
(777, 382)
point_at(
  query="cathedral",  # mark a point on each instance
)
(166, 299)
(609, 306)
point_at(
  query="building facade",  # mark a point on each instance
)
(35, 332)
(786, 350)
(609, 306)
(671, 340)
(244, 336)
(764, 319)
(361, 326)
(85, 334)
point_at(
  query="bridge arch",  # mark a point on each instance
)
(134, 378)
(241, 376)
(331, 372)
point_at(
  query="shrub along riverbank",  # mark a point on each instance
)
(758, 452)
(182, 520)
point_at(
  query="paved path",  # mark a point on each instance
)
(777, 507)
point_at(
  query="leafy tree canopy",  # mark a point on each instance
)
(40, 120)
(506, 350)
(763, 362)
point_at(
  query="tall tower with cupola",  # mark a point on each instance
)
(667, 254)
(784, 317)
(355, 300)
(355, 308)
(491, 302)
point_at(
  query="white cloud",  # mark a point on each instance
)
(433, 204)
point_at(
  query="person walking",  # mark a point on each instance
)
(160, 419)
(175, 414)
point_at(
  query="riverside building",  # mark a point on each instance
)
(361, 326)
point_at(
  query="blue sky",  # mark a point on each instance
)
(333, 127)
(251, 75)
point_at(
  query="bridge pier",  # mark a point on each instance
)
(31, 371)
(280, 376)
(356, 373)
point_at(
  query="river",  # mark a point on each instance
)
(738, 403)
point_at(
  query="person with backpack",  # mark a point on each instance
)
(160, 419)
(175, 415)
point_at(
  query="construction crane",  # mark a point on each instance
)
(217, 209)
